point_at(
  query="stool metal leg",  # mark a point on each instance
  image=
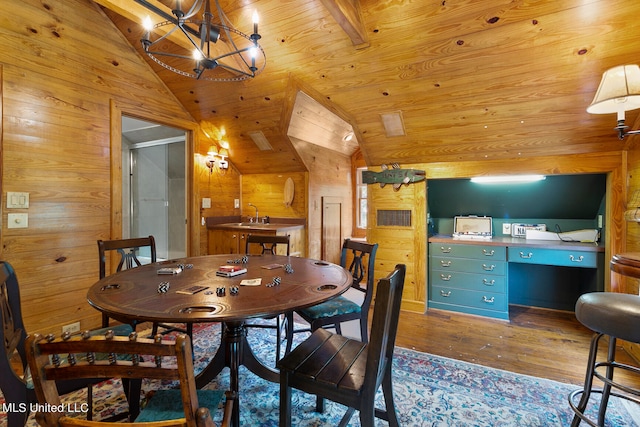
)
(588, 383)
(606, 389)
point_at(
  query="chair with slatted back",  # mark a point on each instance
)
(15, 383)
(129, 252)
(348, 371)
(332, 313)
(268, 244)
(53, 359)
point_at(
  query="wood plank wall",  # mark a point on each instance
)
(63, 63)
(409, 244)
(329, 175)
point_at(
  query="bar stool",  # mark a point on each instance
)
(616, 316)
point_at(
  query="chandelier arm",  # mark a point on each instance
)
(230, 68)
(167, 34)
(163, 14)
(194, 8)
(225, 24)
(172, 55)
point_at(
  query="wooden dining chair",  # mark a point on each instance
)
(268, 244)
(15, 385)
(129, 250)
(53, 359)
(332, 313)
(348, 371)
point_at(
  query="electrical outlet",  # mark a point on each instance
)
(236, 203)
(506, 228)
(71, 328)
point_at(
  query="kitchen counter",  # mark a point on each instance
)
(227, 235)
(248, 227)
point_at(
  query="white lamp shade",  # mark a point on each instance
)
(619, 91)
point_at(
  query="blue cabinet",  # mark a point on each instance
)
(560, 257)
(483, 279)
(469, 279)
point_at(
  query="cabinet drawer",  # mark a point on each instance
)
(566, 258)
(475, 299)
(466, 265)
(478, 282)
(497, 253)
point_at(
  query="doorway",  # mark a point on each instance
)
(154, 185)
(331, 229)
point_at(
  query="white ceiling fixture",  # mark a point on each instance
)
(393, 123)
(260, 140)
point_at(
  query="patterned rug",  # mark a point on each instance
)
(429, 391)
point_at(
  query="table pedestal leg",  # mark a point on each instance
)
(235, 351)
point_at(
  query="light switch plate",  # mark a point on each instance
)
(236, 203)
(17, 220)
(206, 203)
(506, 228)
(16, 200)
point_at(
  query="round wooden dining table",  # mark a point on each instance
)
(145, 295)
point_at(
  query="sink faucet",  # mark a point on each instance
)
(254, 206)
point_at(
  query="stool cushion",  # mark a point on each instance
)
(610, 313)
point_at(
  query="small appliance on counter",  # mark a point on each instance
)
(520, 230)
(473, 227)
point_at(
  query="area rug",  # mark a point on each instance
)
(429, 391)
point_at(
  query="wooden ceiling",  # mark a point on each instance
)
(473, 79)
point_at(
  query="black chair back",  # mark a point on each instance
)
(13, 335)
(127, 248)
(345, 370)
(361, 253)
(384, 325)
(268, 243)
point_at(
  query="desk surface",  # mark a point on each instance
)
(134, 293)
(515, 241)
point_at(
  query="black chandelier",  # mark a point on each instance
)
(204, 48)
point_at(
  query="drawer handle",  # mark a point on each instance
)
(445, 250)
(445, 278)
(488, 300)
(574, 259)
(527, 256)
(486, 267)
(488, 282)
(488, 253)
(445, 263)
(445, 294)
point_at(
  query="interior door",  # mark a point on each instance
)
(331, 229)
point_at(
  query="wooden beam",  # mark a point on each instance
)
(127, 8)
(347, 15)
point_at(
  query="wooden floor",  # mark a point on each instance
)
(537, 342)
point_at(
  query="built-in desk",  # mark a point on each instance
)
(484, 276)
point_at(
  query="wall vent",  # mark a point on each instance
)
(398, 218)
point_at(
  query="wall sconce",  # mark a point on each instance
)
(619, 91)
(217, 158)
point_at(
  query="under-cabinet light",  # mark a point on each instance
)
(505, 179)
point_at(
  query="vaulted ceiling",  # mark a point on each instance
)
(472, 79)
